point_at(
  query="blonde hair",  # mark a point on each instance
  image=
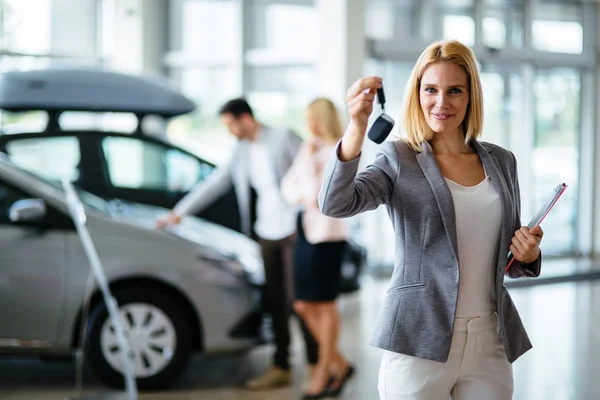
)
(329, 120)
(450, 51)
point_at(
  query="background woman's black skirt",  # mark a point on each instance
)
(317, 268)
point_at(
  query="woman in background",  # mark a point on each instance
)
(319, 250)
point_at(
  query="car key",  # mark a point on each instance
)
(383, 125)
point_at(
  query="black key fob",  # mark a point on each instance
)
(381, 128)
(384, 124)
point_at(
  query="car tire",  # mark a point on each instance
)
(168, 324)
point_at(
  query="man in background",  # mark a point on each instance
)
(260, 159)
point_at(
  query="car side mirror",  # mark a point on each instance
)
(27, 210)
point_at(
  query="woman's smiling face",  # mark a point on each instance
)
(444, 96)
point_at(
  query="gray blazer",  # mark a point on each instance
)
(283, 146)
(417, 314)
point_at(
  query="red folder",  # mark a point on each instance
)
(541, 214)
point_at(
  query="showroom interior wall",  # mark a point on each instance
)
(539, 62)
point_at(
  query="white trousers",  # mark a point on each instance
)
(477, 368)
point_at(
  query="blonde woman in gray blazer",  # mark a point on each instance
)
(448, 326)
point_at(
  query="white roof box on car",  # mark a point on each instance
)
(70, 89)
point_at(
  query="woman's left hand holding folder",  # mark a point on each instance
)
(525, 245)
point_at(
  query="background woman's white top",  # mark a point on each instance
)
(301, 186)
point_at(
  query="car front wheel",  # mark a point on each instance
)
(159, 338)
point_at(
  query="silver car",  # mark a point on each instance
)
(192, 288)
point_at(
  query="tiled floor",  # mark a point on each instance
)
(563, 322)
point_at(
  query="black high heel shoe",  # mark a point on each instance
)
(322, 394)
(338, 390)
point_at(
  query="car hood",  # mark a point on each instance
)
(191, 228)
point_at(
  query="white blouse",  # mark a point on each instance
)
(478, 212)
(301, 187)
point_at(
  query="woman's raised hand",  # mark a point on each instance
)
(360, 98)
(360, 105)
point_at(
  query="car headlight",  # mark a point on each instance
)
(243, 265)
(254, 268)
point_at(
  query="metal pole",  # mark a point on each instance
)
(79, 218)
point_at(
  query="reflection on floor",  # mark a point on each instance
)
(562, 321)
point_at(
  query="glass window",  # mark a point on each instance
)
(136, 164)
(503, 105)
(118, 122)
(275, 26)
(283, 23)
(209, 88)
(210, 27)
(52, 158)
(502, 23)
(456, 20)
(23, 30)
(460, 27)
(109, 121)
(296, 79)
(22, 122)
(395, 76)
(107, 28)
(494, 31)
(379, 21)
(385, 20)
(23, 63)
(279, 95)
(555, 158)
(493, 98)
(281, 109)
(558, 28)
(515, 109)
